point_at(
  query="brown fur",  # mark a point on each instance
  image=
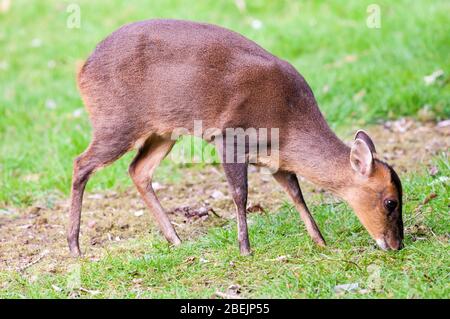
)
(150, 77)
(369, 198)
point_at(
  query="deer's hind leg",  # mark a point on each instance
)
(236, 174)
(141, 171)
(104, 149)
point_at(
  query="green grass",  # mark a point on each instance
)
(38, 141)
(150, 268)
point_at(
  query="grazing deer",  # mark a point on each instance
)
(150, 77)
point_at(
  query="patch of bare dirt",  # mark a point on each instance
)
(408, 145)
(35, 236)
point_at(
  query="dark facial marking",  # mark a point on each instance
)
(398, 185)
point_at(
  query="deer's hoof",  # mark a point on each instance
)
(175, 241)
(245, 251)
(75, 252)
(320, 241)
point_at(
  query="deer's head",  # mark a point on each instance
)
(375, 194)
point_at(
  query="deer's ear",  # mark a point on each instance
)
(361, 158)
(362, 135)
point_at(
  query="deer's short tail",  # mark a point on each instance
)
(79, 68)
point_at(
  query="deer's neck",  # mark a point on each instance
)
(320, 157)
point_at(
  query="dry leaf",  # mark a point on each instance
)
(92, 292)
(430, 79)
(434, 170)
(56, 288)
(282, 258)
(429, 198)
(96, 196)
(255, 208)
(190, 260)
(232, 292)
(31, 178)
(346, 288)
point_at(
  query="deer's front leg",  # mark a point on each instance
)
(237, 180)
(290, 184)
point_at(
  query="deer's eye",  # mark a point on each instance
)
(390, 205)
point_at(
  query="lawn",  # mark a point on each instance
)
(361, 76)
(285, 263)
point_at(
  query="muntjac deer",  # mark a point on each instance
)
(148, 78)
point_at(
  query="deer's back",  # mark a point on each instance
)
(166, 73)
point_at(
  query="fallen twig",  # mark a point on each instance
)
(227, 295)
(33, 262)
(92, 292)
(215, 213)
(344, 260)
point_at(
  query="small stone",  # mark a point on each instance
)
(92, 223)
(139, 213)
(217, 194)
(444, 123)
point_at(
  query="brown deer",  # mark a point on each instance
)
(150, 77)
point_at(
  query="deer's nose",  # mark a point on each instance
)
(391, 244)
(395, 244)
